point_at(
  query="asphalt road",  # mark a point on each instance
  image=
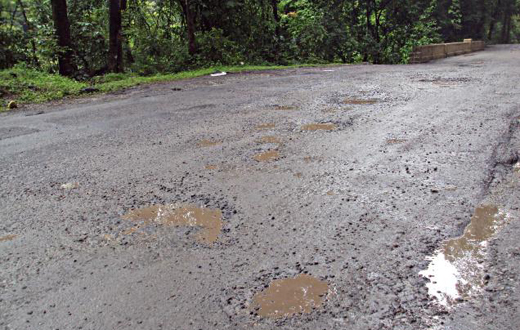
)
(297, 199)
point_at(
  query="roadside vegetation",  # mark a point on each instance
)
(25, 85)
(51, 49)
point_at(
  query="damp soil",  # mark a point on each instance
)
(291, 296)
(208, 220)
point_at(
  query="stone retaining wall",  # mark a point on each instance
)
(426, 53)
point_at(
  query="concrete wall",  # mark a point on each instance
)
(426, 53)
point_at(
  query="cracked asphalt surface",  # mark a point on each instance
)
(406, 155)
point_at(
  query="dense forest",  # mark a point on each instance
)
(82, 39)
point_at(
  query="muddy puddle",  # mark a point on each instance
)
(456, 270)
(284, 107)
(319, 127)
(291, 296)
(266, 126)
(8, 238)
(267, 156)
(211, 167)
(396, 141)
(355, 101)
(270, 139)
(209, 221)
(208, 143)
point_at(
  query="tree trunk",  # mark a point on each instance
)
(115, 50)
(190, 24)
(62, 26)
(506, 27)
(274, 4)
(494, 19)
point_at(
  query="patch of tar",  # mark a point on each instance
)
(267, 156)
(8, 238)
(289, 297)
(319, 127)
(456, 270)
(209, 221)
(208, 143)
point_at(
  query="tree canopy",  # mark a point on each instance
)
(87, 38)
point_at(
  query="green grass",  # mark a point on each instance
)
(30, 86)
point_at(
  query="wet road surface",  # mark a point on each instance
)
(353, 197)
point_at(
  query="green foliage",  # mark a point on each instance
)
(12, 47)
(156, 33)
(26, 85)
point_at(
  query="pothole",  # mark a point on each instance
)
(355, 101)
(284, 107)
(291, 296)
(319, 127)
(456, 270)
(266, 126)
(8, 238)
(267, 156)
(270, 139)
(208, 143)
(209, 221)
(396, 141)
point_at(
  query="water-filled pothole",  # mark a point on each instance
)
(266, 126)
(8, 238)
(208, 220)
(456, 270)
(355, 101)
(319, 127)
(396, 141)
(208, 143)
(291, 296)
(284, 107)
(270, 139)
(267, 156)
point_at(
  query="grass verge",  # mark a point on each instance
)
(25, 86)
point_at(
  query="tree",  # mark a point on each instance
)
(189, 18)
(62, 28)
(115, 51)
